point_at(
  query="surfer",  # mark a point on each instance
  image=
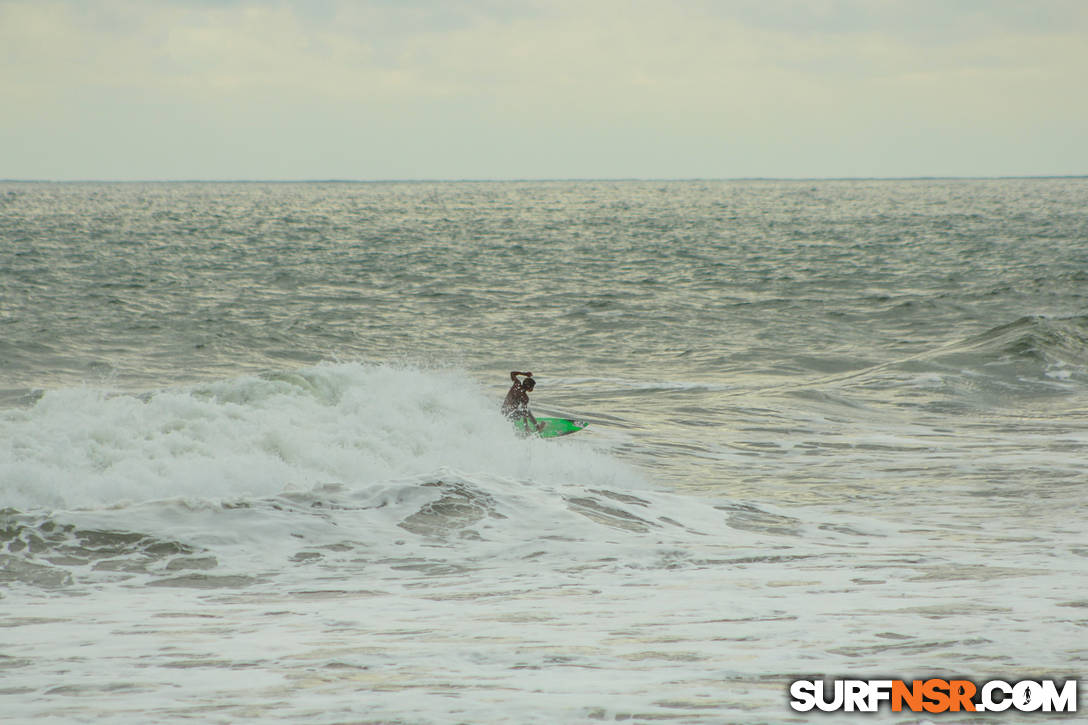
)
(516, 405)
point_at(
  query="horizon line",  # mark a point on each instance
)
(542, 179)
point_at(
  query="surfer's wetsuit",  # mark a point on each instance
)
(516, 405)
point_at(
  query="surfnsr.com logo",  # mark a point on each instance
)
(934, 695)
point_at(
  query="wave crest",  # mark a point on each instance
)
(254, 436)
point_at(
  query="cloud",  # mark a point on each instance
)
(594, 79)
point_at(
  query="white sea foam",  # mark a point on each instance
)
(349, 424)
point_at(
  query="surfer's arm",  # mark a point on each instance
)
(514, 375)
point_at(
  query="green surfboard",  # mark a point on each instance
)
(553, 427)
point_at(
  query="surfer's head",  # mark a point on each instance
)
(528, 383)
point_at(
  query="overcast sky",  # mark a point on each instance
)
(491, 89)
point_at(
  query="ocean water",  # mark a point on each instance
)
(252, 466)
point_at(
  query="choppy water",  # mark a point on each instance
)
(252, 466)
